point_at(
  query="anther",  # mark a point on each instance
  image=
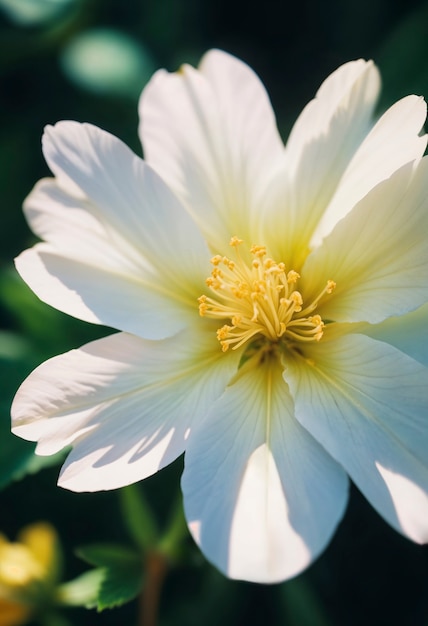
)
(259, 299)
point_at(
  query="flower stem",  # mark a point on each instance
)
(156, 568)
(171, 543)
(138, 517)
(158, 561)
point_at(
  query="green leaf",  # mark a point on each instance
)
(28, 311)
(15, 454)
(83, 590)
(176, 533)
(138, 517)
(50, 330)
(120, 585)
(17, 458)
(108, 555)
(122, 573)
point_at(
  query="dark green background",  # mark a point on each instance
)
(369, 575)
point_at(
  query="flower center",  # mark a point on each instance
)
(259, 299)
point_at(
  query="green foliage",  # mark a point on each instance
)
(83, 590)
(171, 543)
(301, 604)
(402, 58)
(17, 456)
(122, 573)
(138, 517)
(49, 330)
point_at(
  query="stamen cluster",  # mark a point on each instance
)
(259, 298)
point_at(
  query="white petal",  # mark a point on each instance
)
(367, 404)
(394, 141)
(321, 145)
(211, 134)
(377, 254)
(349, 93)
(126, 405)
(127, 196)
(121, 253)
(115, 298)
(406, 332)
(262, 498)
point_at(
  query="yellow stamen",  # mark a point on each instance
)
(259, 298)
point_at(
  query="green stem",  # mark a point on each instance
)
(156, 569)
(171, 543)
(157, 563)
(138, 517)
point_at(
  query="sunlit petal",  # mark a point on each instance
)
(394, 141)
(367, 404)
(110, 241)
(319, 149)
(212, 136)
(262, 498)
(126, 195)
(377, 254)
(125, 405)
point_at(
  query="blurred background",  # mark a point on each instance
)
(88, 60)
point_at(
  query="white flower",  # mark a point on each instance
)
(307, 359)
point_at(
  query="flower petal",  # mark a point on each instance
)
(211, 134)
(352, 90)
(393, 141)
(99, 295)
(126, 228)
(128, 197)
(367, 403)
(126, 405)
(262, 498)
(406, 332)
(319, 149)
(377, 254)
